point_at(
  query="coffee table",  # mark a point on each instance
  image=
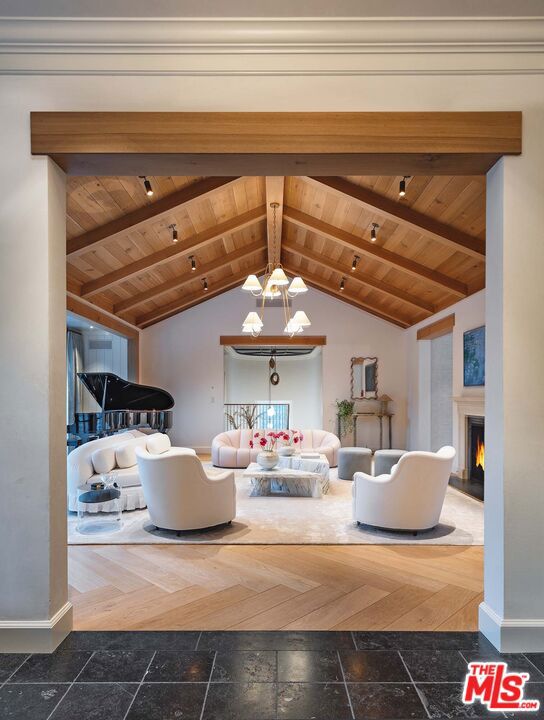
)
(293, 476)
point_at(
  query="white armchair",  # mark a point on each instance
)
(410, 498)
(180, 495)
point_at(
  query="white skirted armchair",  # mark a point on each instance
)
(180, 495)
(410, 498)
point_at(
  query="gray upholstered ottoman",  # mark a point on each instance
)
(385, 459)
(352, 460)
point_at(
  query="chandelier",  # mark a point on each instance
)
(275, 284)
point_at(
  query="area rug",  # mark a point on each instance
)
(279, 520)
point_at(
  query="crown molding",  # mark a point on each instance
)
(278, 46)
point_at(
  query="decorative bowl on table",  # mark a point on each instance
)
(267, 460)
(287, 450)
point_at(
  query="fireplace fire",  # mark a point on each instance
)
(476, 453)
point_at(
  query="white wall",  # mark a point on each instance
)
(469, 313)
(183, 355)
(301, 377)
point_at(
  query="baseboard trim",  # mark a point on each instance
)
(511, 635)
(36, 636)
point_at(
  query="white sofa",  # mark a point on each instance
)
(410, 498)
(115, 453)
(180, 495)
(230, 449)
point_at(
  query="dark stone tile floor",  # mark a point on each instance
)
(254, 676)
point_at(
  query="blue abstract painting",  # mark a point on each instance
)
(474, 357)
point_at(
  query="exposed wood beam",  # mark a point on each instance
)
(188, 301)
(189, 276)
(372, 250)
(264, 164)
(100, 317)
(373, 143)
(346, 296)
(441, 327)
(404, 215)
(272, 340)
(274, 195)
(275, 132)
(186, 247)
(136, 219)
(380, 285)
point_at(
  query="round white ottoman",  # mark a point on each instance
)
(352, 460)
(385, 459)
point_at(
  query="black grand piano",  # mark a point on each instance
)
(124, 406)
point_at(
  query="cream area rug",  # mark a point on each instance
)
(280, 520)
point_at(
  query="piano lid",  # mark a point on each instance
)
(113, 393)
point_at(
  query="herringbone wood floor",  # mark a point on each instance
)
(256, 587)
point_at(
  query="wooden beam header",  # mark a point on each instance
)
(273, 340)
(276, 132)
(441, 327)
(276, 143)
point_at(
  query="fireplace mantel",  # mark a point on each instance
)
(466, 405)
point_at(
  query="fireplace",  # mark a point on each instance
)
(475, 444)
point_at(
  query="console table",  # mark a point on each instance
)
(380, 417)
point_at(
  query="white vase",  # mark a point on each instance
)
(267, 460)
(287, 450)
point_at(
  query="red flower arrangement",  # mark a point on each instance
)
(292, 437)
(269, 440)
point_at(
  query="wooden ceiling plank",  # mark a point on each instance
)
(365, 280)
(405, 215)
(321, 284)
(179, 281)
(196, 298)
(274, 194)
(136, 219)
(375, 251)
(185, 248)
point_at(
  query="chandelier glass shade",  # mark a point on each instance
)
(275, 284)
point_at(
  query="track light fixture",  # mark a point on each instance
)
(205, 285)
(342, 284)
(174, 232)
(356, 259)
(375, 226)
(147, 185)
(402, 186)
(193, 262)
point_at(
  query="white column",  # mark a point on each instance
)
(35, 614)
(512, 614)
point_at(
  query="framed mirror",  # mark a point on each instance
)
(364, 378)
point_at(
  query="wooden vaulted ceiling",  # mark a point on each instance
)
(429, 252)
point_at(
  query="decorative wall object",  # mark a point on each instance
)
(474, 357)
(364, 378)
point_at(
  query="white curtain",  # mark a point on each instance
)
(74, 364)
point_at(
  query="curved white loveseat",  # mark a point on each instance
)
(230, 449)
(117, 454)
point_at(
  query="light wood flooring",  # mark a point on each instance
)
(272, 587)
